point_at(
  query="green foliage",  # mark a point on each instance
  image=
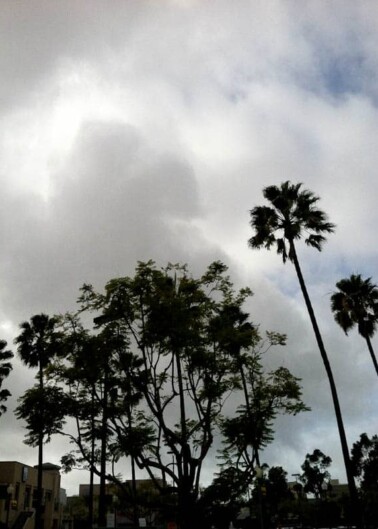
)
(365, 462)
(175, 367)
(43, 410)
(356, 303)
(293, 214)
(150, 381)
(40, 407)
(277, 486)
(315, 475)
(5, 369)
(265, 396)
(229, 486)
(38, 341)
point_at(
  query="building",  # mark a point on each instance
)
(122, 512)
(337, 490)
(18, 487)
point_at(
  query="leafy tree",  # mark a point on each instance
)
(315, 475)
(278, 491)
(87, 374)
(184, 373)
(52, 419)
(227, 487)
(37, 343)
(5, 369)
(356, 303)
(266, 395)
(365, 461)
(292, 215)
(221, 501)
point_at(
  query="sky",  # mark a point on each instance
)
(147, 129)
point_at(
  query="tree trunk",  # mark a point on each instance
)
(134, 493)
(187, 518)
(371, 351)
(38, 509)
(323, 353)
(91, 475)
(102, 496)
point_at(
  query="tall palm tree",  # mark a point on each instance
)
(356, 303)
(294, 215)
(5, 369)
(37, 343)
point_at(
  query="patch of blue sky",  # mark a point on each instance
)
(343, 75)
(335, 69)
(286, 283)
(333, 76)
(366, 267)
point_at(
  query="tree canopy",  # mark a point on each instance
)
(5, 369)
(356, 303)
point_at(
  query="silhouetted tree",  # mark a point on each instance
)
(88, 376)
(365, 461)
(265, 396)
(37, 343)
(294, 215)
(184, 375)
(277, 489)
(221, 501)
(315, 475)
(356, 303)
(5, 369)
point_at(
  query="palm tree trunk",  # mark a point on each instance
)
(134, 493)
(371, 351)
(104, 427)
(91, 473)
(38, 510)
(335, 398)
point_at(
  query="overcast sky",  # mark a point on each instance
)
(143, 130)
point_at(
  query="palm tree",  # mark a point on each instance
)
(37, 343)
(293, 214)
(356, 302)
(5, 369)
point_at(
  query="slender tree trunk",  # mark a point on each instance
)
(255, 452)
(185, 450)
(134, 489)
(371, 351)
(102, 496)
(38, 510)
(91, 474)
(186, 502)
(335, 398)
(91, 496)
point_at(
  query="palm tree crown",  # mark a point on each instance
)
(356, 302)
(294, 214)
(5, 369)
(38, 341)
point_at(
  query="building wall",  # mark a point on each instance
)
(24, 481)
